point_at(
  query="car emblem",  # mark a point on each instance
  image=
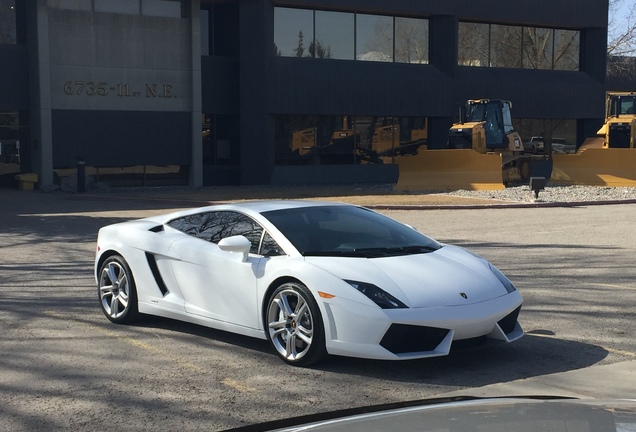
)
(463, 295)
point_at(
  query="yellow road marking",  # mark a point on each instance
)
(136, 343)
(620, 352)
(152, 349)
(236, 385)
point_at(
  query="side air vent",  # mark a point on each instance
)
(156, 229)
(152, 263)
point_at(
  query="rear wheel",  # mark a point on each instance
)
(294, 326)
(117, 292)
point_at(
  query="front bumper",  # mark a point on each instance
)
(400, 334)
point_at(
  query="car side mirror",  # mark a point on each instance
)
(236, 244)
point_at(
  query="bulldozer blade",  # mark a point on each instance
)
(452, 169)
(596, 167)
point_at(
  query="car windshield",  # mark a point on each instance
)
(348, 231)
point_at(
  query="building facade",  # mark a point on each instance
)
(247, 92)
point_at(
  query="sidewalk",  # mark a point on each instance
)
(613, 381)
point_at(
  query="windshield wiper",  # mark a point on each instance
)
(374, 252)
(417, 249)
(343, 253)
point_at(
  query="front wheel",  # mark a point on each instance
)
(117, 292)
(294, 326)
(525, 169)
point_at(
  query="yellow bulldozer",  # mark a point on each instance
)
(609, 159)
(483, 152)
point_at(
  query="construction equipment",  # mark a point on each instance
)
(610, 158)
(484, 152)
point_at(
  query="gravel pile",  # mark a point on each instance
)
(554, 194)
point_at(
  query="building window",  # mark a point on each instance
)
(333, 36)
(411, 40)
(7, 22)
(158, 8)
(473, 43)
(374, 38)
(349, 36)
(493, 45)
(505, 48)
(83, 5)
(537, 48)
(293, 32)
(128, 7)
(331, 140)
(562, 131)
(162, 8)
(567, 44)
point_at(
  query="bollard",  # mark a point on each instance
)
(537, 184)
(81, 175)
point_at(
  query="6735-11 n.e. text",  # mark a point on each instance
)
(102, 88)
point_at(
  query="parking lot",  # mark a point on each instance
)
(64, 366)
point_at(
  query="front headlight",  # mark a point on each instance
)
(377, 295)
(502, 278)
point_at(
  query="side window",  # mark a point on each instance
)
(214, 226)
(188, 224)
(269, 247)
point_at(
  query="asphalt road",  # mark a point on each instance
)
(65, 367)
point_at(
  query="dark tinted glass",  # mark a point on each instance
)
(316, 230)
(214, 226)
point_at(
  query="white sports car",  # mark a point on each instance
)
(313, 278)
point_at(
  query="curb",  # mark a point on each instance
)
(501, 205)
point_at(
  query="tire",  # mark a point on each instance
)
(117, 292)
(294, 326)
(525, 170)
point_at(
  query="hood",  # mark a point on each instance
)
(431, 279)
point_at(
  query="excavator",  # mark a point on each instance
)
(483, 152)
(609, 159)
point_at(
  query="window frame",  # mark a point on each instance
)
(193, 229)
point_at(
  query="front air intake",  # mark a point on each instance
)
(508, 323)
(402, 338)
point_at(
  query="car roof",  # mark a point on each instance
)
(248, 207)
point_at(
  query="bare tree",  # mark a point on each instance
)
(411, 40)
(621, 40)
